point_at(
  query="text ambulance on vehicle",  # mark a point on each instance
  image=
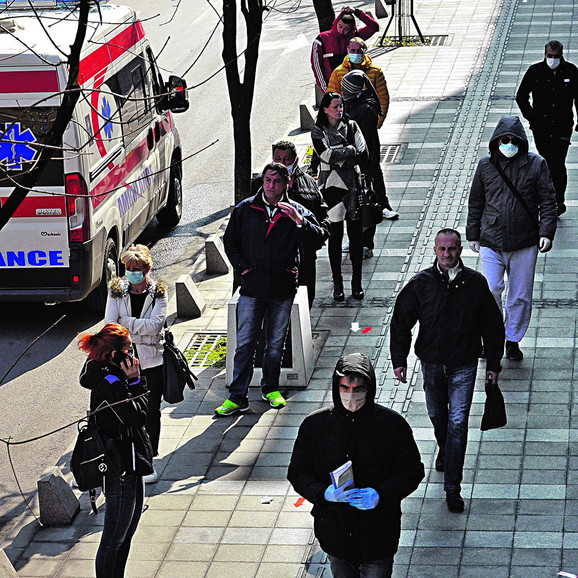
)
(120, 164)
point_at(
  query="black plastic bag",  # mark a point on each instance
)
(494, 409)
(176, 371)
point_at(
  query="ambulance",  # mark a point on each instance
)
(120, 161)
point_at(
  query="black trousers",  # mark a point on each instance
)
(354, 232)
(554, 149)
(155, 384)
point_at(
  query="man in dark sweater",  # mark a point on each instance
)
(456, 312)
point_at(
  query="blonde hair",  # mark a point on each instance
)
(138, 255)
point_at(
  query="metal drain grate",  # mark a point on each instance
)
(206, 349)
(389, 153)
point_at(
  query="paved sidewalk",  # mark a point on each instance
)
(222, 505)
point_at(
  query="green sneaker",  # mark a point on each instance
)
(230, 407)
(275, 399)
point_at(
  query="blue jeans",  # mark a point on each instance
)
(251, 311)
(377, 569)
(448, 397)
(124, 502)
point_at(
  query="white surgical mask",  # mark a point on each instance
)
(509, 150)
(291, 168)
(553, 62)
(353, 401)
(355, 58)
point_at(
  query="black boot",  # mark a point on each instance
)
(338, 294)
(356, 290)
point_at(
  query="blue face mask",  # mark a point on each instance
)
(355, 58)
(509, 150)
(135, 277)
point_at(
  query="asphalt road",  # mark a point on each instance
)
(42, 393)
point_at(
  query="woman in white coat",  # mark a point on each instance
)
(140, 303)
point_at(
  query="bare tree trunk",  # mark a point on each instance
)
(63, 117)
(241, 93)
(325, 14)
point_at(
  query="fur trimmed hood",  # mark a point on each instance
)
(118, 288)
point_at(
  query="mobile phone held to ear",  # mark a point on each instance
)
(119, 357)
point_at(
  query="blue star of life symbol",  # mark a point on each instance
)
(14, 147)
(106, 113)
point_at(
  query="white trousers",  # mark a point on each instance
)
(519, 267)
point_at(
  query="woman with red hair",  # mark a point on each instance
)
(118, 402)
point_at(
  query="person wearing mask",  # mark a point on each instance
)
(511, 217)
(302, 189)
(139, 303)
(358, 524)
(330, 47)
(112, 375)
(553, 84)
(341, 147)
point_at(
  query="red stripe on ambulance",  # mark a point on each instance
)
(109, 52)
(48, 206)
(24, 82)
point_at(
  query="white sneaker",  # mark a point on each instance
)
(391, 215)
(345, 247)
(151, 478)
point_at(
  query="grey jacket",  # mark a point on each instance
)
(495, 216)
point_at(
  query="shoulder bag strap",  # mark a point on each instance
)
(517, 195)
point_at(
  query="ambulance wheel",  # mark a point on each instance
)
(170, 215)
(97, 299)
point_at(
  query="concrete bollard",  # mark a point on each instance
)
(215, 255)
(298, 375)
(6, 568)
(306, 120)
(190, 302)
(58, 504)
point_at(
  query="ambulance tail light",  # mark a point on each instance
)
(77, 208)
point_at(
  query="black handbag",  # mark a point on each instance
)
(176, 371)
(91, 460)
(494, 408)
(370, 211)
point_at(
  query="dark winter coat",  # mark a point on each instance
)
(554, 98)
(122, 423)
(495, 216)
(268, 247)
(380, 444)
(454, 317)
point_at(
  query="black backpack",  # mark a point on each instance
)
(90, 460)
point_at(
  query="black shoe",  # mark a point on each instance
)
(513, 351)
(338, 294)
(561, 209)
(356, 290)
(454, 501)
(440, 462)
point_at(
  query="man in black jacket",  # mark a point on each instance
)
(262, 243)
(357, 525)
(456, 311)
(303, 189)
(553, 84)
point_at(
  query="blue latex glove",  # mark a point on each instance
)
(333, 494)
(363, 498)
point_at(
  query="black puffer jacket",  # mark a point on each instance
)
(495, 216)
(554, 98)
(268, 247)
(123, 423)
(453, 318)
(380, 444)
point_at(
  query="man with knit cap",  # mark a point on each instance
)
(358, 524)
(357, 59)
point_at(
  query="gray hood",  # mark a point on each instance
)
(509, 125)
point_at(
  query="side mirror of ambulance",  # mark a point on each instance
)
(178, 98)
